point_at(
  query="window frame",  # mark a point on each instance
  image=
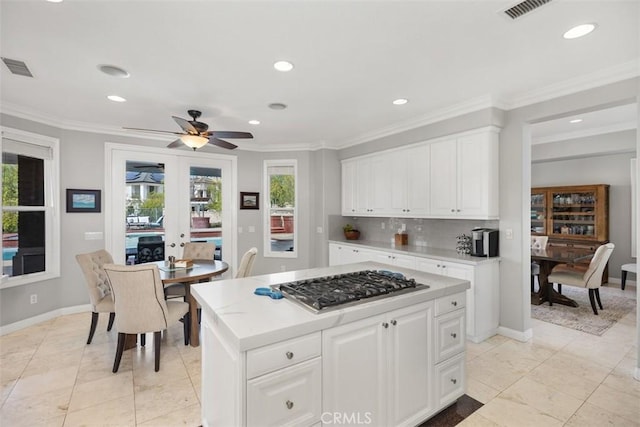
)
(266, 203)
(51, 205)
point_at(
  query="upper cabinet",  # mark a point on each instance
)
(453, 177)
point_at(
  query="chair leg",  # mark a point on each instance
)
(550, 293)
(156, 343)
(597, 292)
(94, 323)
(623, 281)
(533, 281)
(143, 339)
(121, 339)
(187, 327)
(559, 288)
(592, 300)
(112, 317)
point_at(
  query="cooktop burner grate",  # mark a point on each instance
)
(326, 292)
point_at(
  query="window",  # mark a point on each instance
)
(280, 212)
(30, 207)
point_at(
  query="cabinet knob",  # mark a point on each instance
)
(453, 210)
(385, 325)
(290, 404)
(182, 245)
(453, 335)
(289, 355)
(453, 380)
(173, 245)
(454, 303)
(394, 322)
(438, 265)
(457, 210)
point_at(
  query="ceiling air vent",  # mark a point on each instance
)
(524, 7)
(17, 67)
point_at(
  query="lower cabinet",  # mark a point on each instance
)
(379, 370)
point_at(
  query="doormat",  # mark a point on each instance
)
(454, 414)
(616, 303)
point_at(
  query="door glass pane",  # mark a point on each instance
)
(282, 207)
(144, 212)
(206, 206)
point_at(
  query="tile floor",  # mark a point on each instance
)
(561, 377)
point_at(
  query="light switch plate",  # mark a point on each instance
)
(319, 230)
(508, 233)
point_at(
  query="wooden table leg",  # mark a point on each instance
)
(194, 334)
(543, 294)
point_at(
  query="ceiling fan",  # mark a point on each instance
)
(195, 134)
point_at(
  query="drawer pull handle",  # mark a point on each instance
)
(394, 322)
(289, 355)
(385, 325)
(454, 303)
(453, 380)
(290, 404)
(453, 334)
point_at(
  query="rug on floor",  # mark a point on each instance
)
(616, 305)
(454, 414)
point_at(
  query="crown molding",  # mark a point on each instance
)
(603, 77)
(618, 127)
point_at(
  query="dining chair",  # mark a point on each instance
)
(194, 251)
(140, 306)
(537, 243)
(246, 263)
(99, 290)
(590, 279)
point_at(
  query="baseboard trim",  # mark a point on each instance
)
(522, 336)
(12, 327)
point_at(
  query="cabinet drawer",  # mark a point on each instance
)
(450, 335)
(450, 303)
(290, 396)
(450, 380)
(282, 354)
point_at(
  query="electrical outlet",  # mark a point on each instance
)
(34, 299)
(404, 227)
(508, 233)
(319, 230)
(382, 225)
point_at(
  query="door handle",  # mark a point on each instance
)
(173, 245)
(182, 245)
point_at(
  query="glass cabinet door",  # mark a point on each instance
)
(573, 214)
(538, 213)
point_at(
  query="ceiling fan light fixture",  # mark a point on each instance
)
(194, 141)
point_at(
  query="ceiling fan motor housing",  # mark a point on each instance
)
(200, 127)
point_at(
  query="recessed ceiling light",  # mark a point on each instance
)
(400, 101)
(54, 1)
(575, 121)
(254, 122)
(116, 98)
(113, 71)
(579, 31)
(283, 66)
(277, 106)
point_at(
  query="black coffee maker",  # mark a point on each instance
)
(484, 242)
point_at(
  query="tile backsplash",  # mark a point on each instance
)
(434, 233)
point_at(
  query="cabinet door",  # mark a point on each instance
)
(477, 175)
(443, 175)
(349, 185)
(346, 372)
(380, 189)
(429, 265)
(405, 261)
(336, 254)
(417, 178)
(397, 175)
(363, 185)
(410, 363)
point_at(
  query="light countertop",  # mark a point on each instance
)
(420, 251)
(250, 321)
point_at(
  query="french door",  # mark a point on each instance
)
(159, 199)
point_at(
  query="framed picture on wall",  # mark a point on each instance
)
(249, 200)
(83, 200)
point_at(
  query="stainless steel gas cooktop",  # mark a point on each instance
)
(331, 292)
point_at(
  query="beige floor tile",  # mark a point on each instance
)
(95, 392)
(605, 353)
(545, 399)
(592, 416)
(189, 416)
(621, 378)
(623, 404)
(196, 381)
(154, 401)
(477, 420)
(12, 370)
(44, 383)
(509, 413)
(36, 410)
(480, 391)
(117, 412)
(42, 363)
(171, 370)
(496, 374)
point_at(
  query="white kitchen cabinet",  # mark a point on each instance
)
(377, 387)
(394, 259)
(365, 186)
(464, 176)
(408, 179)
(349, 190)
(482, 299)
(345, 254)
(450, 380)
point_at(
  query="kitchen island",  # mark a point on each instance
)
(392, 361)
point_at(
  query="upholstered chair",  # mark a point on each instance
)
(194, 251)
(140, 306)
(590, 279)
(537, 243)
(98, 286)
(246, 263)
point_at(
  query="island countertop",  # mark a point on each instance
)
(249, 321)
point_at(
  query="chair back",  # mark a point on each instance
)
(539, 242)
(92, 267)
(199, 250)
(150, 251)
(138, 295)
(246, 263)
(593, 276)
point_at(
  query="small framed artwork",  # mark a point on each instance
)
(249, 200)
(83, 200)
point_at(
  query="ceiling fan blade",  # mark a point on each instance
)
(229, 134)
(177, 143)
(222, 144)
(185, 125)
(153, 130)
